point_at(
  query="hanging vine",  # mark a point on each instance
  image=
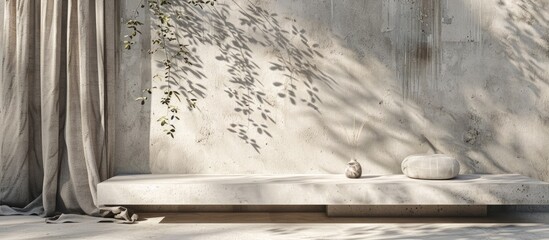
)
(167, 41)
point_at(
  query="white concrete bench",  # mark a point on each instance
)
(387, 195)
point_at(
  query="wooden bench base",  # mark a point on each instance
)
(407, 210)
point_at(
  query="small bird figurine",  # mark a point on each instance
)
(354, 170)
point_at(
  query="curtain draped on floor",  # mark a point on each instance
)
(57, 68)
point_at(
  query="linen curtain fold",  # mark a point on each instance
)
(53, 106)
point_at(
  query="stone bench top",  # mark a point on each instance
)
(319, 189)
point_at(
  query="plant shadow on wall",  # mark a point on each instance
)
(526, 47)
(235, 41)
(528, 23)
(491, 132)
(524, 39)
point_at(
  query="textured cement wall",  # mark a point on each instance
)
(281, 85)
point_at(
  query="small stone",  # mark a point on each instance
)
(430, 166)
(354, 170)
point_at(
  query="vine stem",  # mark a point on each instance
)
(167, 33)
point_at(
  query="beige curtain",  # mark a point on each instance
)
(55, 130)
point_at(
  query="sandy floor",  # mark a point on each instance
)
(283, 226)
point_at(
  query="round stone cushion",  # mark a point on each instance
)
(432, 166)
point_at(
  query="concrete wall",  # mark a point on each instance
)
(1, 27)
(281, 85)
